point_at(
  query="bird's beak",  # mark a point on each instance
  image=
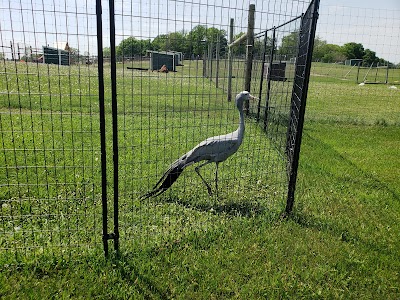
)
(251, 97)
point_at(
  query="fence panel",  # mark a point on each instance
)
(162, 115)
(299, 96)
(63, 108)
(49, 122)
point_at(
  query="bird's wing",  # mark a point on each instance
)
(216, 148)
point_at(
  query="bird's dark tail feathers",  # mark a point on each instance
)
(169, 177)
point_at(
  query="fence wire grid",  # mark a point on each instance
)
(51, 158)
(49, 170)
(367, 92)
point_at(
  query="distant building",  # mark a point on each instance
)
(353, 62)
(160, 58)
(55, 56)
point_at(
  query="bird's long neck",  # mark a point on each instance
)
(241, 124)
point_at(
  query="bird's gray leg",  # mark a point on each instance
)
(205, 182)
(216, 179)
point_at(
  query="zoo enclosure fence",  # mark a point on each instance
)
(59, 125)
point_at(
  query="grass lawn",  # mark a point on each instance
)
(341, 241)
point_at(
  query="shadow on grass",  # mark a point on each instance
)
(148, 267)
(343, 233)
(233, 209)
(132, 276)
(366, 181)
(313, 222)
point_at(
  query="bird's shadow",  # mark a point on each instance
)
(230, 208)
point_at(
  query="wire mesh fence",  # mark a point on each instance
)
(363, 89)
(371, 30)
(49, 124)
(70, 146)
(167, 114)
(51, 185)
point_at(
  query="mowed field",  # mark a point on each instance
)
(340, 242)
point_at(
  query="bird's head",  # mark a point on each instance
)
(242, 97)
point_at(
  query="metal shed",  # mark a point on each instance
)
(353, 62)
(55, 56)
(278, 71)
(178, 57)
(158, 59)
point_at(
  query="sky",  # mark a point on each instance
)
(375, 24)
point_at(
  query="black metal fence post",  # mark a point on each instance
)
(114, 108)
(299, 96)
(262, 76)
(271, 60)
(102, 124)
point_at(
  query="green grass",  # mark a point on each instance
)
(349, 73)
(346, 102)
(341, 241)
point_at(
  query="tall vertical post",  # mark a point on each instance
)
(18, 53)
(209, 60)
(217, 49)
(230, 60)
(387, 73)
(271, 60)
(358, 71)
(376, 73)
(100, 77)
(262, 76)
(249, 51)
(114, 109)
(312, 16)
(204, 58)
(12, 50)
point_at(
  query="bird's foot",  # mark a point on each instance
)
(210, 193)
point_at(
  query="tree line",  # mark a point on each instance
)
(191, 43)
(195, 43)
(331, 53)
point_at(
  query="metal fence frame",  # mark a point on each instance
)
(295, 127)
(299, 97)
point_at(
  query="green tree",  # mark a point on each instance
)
(241, 48)
(199, 36)
(145, 45)
(215, 36)
(370, 57)
(174, 41)
(106, 52)
(130, 47)
(259, 46)
(331, 53)
(289, 44)
(196, 40)
(319, 51)
(353, 50)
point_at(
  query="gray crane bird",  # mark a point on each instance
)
(214, 149)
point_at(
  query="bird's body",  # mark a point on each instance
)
(214, 149)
